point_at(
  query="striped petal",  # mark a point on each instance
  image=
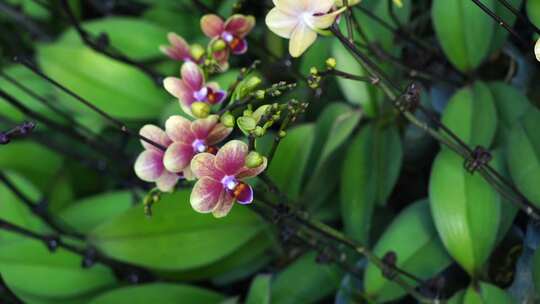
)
(225, 204)
(203, 165)
(218, 134)
(281, 23)
(292, 7)
(201, 128)
(177, 88)
(192, 76)
(232, 157)
(179, 49)
(301, 39)
(252, 172)
(167, 181)
(240, 25)
(212, 25)
(205, 195)
(149, 165)
(178, 129)
(177, 157)
(156, 135)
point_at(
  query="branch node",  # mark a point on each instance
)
(478, 158)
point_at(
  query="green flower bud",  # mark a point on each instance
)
(313, 71)
(197, 51)
(260, 94)
(331, 63)
(219, 45)
(252, 83)
(260, 112)
(259, 131)
(282, 134)
(254, 159)
(246, 124)
(227, 120)
(200, 109)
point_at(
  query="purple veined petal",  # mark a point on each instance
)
(171, 52)
(225, 204)
(218, 134)
(156, 135)
(178, 156)
(239, 25)
(192, 76)
(167, 181)
(179, 43)
(232, 157)
(177, 88)
(149, 165)
(201, 128)
(205, 195)
(178, 129)
(244, 194)
(221, 56)
(252, 172)
(239, 46)
(203, 165)
(212, 25)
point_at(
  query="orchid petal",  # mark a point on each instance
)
(212, 25)
(324, 21)
(203, 165)
(149, 165)
(167, 181)
(224, 206)
(232, 157)
(281, 23)
(320, 6)
(240, 48)
(252, 172)
(178, 129)
(218, 134)
(239, 25)
(192, 76)
(301, 39)
(293, 7)
(201, 128)
(177, 88)
(245, 197)
(178, 156)
(205, 195)
(156, 135)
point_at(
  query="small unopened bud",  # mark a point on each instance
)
(227, 120)
(200, 109)
(252, 83)
(197, 51)
(259, 131)
(254, 159)
(260, 94)
(257, 115)
(246, 124)
(219, 45)
(313, 71)
(331, 63)
(282, 134)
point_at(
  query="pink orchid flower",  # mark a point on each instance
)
(178, 50)
(191, 88)
(232, 32)
(190, 138)
(149, 165)
(221, 178)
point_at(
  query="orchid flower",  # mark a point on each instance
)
(191, 88)
(300, 21)
(179, 49)
(190, 138)
(537, 49)
(221, 178)
(149, 165)
(231, 32)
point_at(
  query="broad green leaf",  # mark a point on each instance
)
(486, 293)
(510, 104)
(424, 254)
(120, 31)
(536, 269)
(315, 56)
(161, 293)
(291, 159)
(176, 237)
(24, 157)
(88, 213)
(116, 88)
(355, 92)
(466, 211)
(464, 31)
(523, 152)
(471, 115)
(180, 22)
(305, 281)
(259, 292)
(31, 8)
(341, 130)
(28, 266)
(61, 193)
(501, 34)
(370, 171)
(533, 11)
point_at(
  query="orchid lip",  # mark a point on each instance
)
(201, 94)
(199, 146)
(229, 182)
(228, 37)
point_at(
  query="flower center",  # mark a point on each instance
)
(199, 146)
(307, 19)
(229, 182)
(228, 37)
(201, 94)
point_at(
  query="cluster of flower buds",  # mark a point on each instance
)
(315, 78)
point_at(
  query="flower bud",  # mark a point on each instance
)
(252, 83)
(254, 159)
(259, 131)
(260, 94)
(219, 45)
(331, 63)
(197, 51)
(282, 134)
(227, 120)
(258, 114)
(200, 109)
(313, 71)
(246, 124)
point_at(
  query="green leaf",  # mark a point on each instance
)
(510, 104)
(533, 11)
(305, 281)
(466, 211)
(501, 34)
(28, 266)
(360, 93)
(315, 56)
(464, 31)
(159, 293)
(88, 213)
(424, 254)
(291, 159)
(176, 237)
(116, 88)
(536, 269)
(180, 22)
(259, 292)
(486, 293)
(23, 157)
(471, 115)
(523, 152)
(370, 171)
